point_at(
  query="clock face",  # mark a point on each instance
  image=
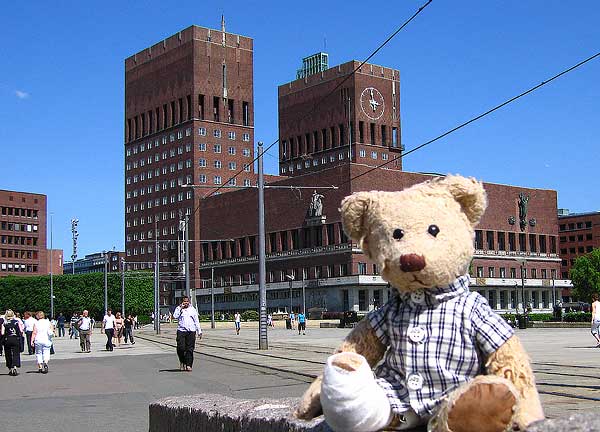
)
(372, 103)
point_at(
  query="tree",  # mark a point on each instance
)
(585, 275)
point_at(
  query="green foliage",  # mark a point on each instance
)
(250, 315)
(585, 275)
(578, 317)
(540, 316)
(73, 293)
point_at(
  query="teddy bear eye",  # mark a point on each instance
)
(398, 234)
(433, 230)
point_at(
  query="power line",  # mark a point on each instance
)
(497, 107)
(328, 94)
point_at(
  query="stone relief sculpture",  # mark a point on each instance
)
(523, 203)
(316, 205)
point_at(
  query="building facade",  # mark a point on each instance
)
(22, 233)
(579, 235)
(55, 261)
(96, 263)
(189, 119)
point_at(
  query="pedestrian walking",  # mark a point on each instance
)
(292, 320)
(41, 340)
(73, 331)
(301, 323)
(237, 319)
(85, 332)
(119, 328)
(60, 324)
(135, 322)
(11, 332)
(596, 319)
(1, 337)
(188, 327)
(108, 328)
(29, 324)
(129, 323)
(270, 320)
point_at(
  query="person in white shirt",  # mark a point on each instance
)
(29, 324)
(596, 318)
(41, 340)
(108, 327)
(237, 318)
(84, 324)
(188, 327)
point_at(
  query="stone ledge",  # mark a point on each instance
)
(212, 413)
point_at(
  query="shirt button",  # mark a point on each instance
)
(418, 297)
(416, 334)
(414, 382)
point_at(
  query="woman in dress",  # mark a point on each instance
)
(119, 328)
(41, 340)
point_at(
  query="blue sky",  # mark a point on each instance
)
(61, 90)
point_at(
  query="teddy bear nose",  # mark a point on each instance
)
(412, 262)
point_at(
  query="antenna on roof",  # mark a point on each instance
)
(223, 23)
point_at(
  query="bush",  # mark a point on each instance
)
(250, 315)
(541, 317)
(578, 317)
(204, 317)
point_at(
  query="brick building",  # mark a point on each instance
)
(56, 262)
(96, 263)
(579, 234)
(189, 118)
(22, 233)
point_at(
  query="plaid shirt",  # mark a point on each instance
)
(438, 339)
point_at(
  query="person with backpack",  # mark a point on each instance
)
(12, 333)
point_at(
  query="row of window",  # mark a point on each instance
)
(18, 240)
(335, 136)
(503, 241)
(147, 146)
(574, 225)
(512, 273)
(11, 226)
(19, 212)
(315, 162)
(579, 237)
(19, 253)
(18, 268)
(180, 110)
(157, 202)
(232, 166)
(580, 249)
(507, 299)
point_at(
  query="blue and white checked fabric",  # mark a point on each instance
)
(438, 339)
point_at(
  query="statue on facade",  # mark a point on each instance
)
(316, 205)
(523, 202)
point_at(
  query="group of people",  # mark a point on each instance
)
(116, 328)
(298, 321)
(34, 331)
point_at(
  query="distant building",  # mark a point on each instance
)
(579, 234)
(95, 263)
(56, 263)
(22, 234)
(313, 64)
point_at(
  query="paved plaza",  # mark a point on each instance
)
(101, 391)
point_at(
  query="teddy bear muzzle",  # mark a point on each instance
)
(412, 262)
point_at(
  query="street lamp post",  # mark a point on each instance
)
(105, 281)
(122, 287)
(291, 279)
(51, 273)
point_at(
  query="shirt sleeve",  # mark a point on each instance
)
(177, 312)
(378, 321)
(491, 330)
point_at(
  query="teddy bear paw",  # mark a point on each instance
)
(483, 407)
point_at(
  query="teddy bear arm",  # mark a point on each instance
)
(363, 340)
(511, 362)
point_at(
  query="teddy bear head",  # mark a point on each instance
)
(421, 237)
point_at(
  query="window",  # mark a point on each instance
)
(246, 152)
(245, 114)
(202, 163)
(201, 131)
(217, 164)
(246, 182)
(247, 167)
(232, 166)
(232, 182)
(384, 156)
(231, 135)
(362, 268)
(479, 240)
(502, 272)
(217, 180)
(480, 272)
(179, 134)
(188, 132)
(245, 137)
(501, 241)
(217, 148)
(362, 153)
(491, 272)
(489, 236)
(217, 133)
(188, 163)
(231, 150)
(171, 137)
(202, 178)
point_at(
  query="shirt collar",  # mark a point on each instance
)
(437, 295)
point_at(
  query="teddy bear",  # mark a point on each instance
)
(441, 356)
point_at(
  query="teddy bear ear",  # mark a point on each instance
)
(353, 210)
(469, 193)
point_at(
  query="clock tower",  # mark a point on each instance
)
(339, 116)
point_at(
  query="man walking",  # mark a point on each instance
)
(73, 332)
(108, 327)
(29, 324)
(187, 328)
(60, 325)
(301, 323)
(237, 319)
(85, 332)
(129, 329)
